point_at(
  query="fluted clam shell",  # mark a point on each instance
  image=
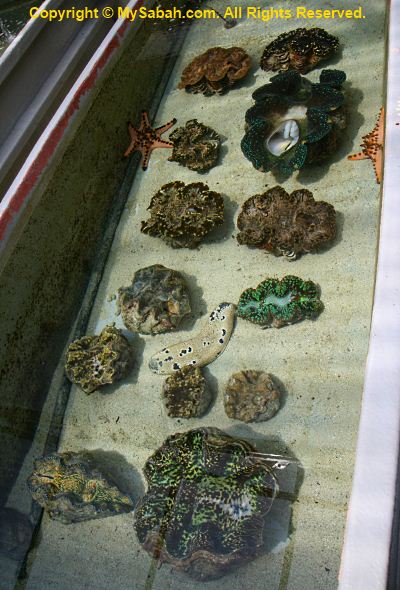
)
(284, 137)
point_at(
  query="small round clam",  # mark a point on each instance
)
(284, 137)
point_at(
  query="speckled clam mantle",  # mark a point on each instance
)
(71, 488)
(186, 394)
(95, 361)
(201, 350)
(204, 511)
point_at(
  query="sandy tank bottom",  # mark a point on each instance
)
(321, 363)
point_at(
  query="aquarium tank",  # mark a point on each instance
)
(186, 305)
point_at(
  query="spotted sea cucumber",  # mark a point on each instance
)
(200, 350)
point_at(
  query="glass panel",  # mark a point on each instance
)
(13, 17)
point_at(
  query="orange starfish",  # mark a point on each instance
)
(372, 146)
(145, 139)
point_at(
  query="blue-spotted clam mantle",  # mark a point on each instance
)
(204, 511)
(200, 350)
(277, 302)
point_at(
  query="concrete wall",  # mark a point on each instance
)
(43, 283)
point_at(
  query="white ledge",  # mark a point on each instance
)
(365, 557)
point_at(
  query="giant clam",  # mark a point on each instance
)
(300, 50)
(183, 215)
(294, 121)
(215, 71)
(276, 303)
(94, 361)
(185, 393)
(286, 224)
(71, 488)
(157, 300)
(196, 146)
(205, 507)
(251, 396)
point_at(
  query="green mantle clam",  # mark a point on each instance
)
(276, 303)
(294, 121)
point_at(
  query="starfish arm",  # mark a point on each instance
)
(133, 135)
(144, 120)
(146, 156)
(128, 151)
(381, 125)
(163, 128)
(378, 165)
(359, 156)
(160, 143)
(131, 148)
(132, 131)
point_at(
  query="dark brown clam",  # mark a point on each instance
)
(300, 50)
(185, 393)
(286, 224)
(196, 146)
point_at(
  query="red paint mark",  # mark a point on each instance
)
(37, 167)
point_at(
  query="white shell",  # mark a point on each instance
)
(289, 254)
(200, 350)
(284, 137)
